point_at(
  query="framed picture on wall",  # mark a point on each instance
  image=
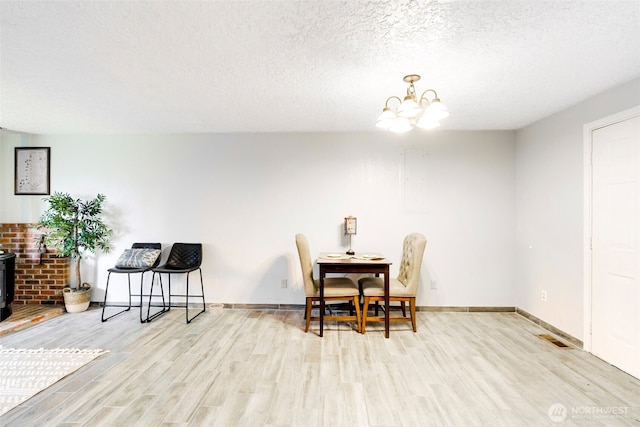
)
(32, 170)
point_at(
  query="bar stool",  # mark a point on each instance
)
(184, 258)
(142, 257)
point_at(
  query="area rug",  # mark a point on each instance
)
(24, 373)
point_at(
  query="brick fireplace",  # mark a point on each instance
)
(39, 278)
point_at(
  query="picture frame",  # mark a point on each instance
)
(32, 171)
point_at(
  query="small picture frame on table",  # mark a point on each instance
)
(32, 170)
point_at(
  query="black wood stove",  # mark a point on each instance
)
(7, 283)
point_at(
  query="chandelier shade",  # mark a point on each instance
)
(402, 124)
(409, 108)
(412, 111)
(387, 119)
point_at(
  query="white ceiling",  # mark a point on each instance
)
(286, 66)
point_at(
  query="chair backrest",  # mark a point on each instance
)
(149, 246)
(185, 256)
(305, 262)
(412, 252)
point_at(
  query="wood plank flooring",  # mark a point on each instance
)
(240, 367)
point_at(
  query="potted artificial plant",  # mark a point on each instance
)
(74, 227)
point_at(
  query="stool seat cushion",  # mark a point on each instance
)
(138, 258)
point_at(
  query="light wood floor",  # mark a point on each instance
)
(258, 368)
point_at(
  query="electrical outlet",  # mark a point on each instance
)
(544, 295)
(434, 284)
(283, 284)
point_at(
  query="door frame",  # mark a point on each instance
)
(588, 128)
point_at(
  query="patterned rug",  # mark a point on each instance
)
(24, 373)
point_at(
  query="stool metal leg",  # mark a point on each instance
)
(142, 320)
(165, 308)
(187, 296)
(106, 292)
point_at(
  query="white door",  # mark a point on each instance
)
(615, 289)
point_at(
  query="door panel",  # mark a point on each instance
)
(616, 244)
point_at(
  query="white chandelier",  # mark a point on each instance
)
(413, 111)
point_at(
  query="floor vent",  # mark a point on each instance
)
(553, 341)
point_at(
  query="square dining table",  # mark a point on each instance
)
(329, 263)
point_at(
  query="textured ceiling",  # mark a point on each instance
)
(288, 66)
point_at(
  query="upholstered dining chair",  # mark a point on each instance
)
(403, 288)
(142, 257)
(184, 258)
(335, 288)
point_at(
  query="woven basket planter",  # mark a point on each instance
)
(77, 301)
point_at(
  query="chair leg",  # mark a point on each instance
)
(365, 313)
(186, 307)
(150, 316)
(168, 305)
(356, 302)
(412, 309)
(106, 292)
(187, 298)
(404, 310)
(142, 320)
(202, 290)
(129, 285)
(307, 314)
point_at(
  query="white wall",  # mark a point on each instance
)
(549, 212)
(245, 196)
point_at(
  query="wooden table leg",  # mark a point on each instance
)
(321, 300)
(386, 303)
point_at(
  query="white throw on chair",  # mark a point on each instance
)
(403, 288)
(335, 288)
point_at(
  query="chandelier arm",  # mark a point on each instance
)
(423, 102)
(435, 95)
(386, 103)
